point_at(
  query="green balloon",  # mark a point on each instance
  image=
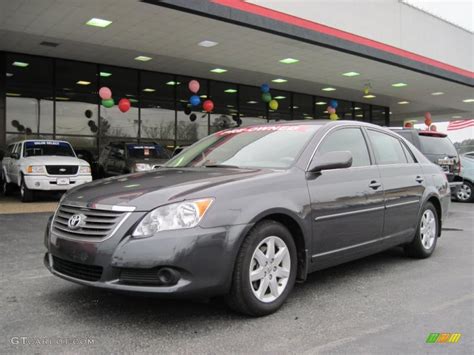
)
(108, 103)
(266, 97)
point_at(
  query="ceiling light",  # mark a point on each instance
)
(20, 64)
(61, 98)
(326, 112)
(351, 73)
(133, 100)
(173, 83)
(456, 116)
(279, 97)
(9, 75)
(98, 22)
(143, 58)
(105, 74)
(218, 70)
(328, 89)
(296, 107)
(279, 80)
(403, 102)
(437, 93)
(149, 90)
(252, 102)
(83, 82)
(320, 103)
(230, 91)
(369, 96)
(468, 100)
(13, 94)
(289, 61)
(359, 115)
(357, 108)
(207, 44)
(203, 96)
(399, 85)
(230, 106)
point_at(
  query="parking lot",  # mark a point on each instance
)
(384, 303)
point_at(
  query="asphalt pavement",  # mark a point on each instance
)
(382, 304)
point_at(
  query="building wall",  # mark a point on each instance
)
(388, 21)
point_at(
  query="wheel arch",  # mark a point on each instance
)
(437, 205)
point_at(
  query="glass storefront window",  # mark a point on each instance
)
(252, 109)
(362, 112)
(124, 84)
(283, 113)
(378, 115)
(225, 114)
(303, 107)
(29, 91)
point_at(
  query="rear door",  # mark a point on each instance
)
(403, 182)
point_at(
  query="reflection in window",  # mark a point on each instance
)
(378, 115)
(283, 113)
(252, 109)
(303, 107)
(362, 112)
(225, 113)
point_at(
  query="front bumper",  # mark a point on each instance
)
(202, 257)
(50, 183)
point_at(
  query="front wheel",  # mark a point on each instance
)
(265, 270)
(464, 192)
(26, 194)
(424, 243)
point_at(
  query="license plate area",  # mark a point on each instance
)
(62, 181)
(446, 162)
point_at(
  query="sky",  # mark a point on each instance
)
(460, 12)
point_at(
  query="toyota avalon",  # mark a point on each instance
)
(247, 212)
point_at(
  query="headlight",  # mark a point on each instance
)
(186, 214)
(142, 167)
(84, 169)
(35, 169)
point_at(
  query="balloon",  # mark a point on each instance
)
(94, 129)
(88, 113)
(433, 128)
(333, 117)
(428, 115)
(105, 93)
(124, 105)
(428, 121)
(194, 100)
(194, 87)
(108, 103)
(408, 125)
(208, 105)
(333, 103)
(187, 110)
(273, 104)
(266, 97)
(20, 128)
(90, 123)
(265, 88)
(28, 130)
(15, 123)
(331, 110)
(192, 117)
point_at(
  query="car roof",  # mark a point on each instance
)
(40, 140)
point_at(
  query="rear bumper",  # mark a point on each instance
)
(50, 183)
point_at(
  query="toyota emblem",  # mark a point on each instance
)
(76, 221)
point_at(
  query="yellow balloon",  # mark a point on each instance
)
(273, 104)
(333, 116)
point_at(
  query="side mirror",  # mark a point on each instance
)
(15, 155)
(331, 160)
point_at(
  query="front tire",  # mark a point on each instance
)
(424, 243)
(26, 194)
(465, 192)
(265, 270)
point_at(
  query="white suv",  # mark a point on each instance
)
(47, 165)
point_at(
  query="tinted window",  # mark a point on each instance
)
(10, 149)
(437, 145)
(36, 148)
(137, 151)
(388, 149)
(347, 139)
(408, 154)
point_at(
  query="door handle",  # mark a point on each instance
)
(374, 184)
(419, 179)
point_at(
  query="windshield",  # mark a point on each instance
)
(149, 151)
(253, 147)
(437, 145)
(40, 148)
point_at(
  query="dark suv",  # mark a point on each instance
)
(438, 148)
(119, 158)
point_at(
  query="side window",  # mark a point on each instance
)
(388, 149)
(408, 154)
(9, 150)
(347, 139)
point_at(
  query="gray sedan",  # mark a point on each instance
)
(247, 212)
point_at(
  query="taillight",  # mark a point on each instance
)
(457, 167)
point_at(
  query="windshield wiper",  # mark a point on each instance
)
(220, 166)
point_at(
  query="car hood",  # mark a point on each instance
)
(54, 160)
(147, 190)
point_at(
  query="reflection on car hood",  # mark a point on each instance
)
(148, 190)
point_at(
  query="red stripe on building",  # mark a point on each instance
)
(331, 31)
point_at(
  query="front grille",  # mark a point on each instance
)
(140, 276)
(96, 223)
(77, 270)
(62, 169)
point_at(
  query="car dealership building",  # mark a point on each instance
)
(383, 61)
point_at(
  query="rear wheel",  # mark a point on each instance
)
(265, 270)
(424, 243)
(26, 194)
(464, 192)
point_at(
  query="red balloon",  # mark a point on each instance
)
(428, 115)
(208, 105)
(124, 105)
(428, 121)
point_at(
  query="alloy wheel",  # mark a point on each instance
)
(464, 192)
(428, 229)
(270, 269)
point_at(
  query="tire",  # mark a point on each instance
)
(26, 194)
(274, 279)
(424, 243)
(465, 192)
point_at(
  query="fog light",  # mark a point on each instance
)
(168, 276)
